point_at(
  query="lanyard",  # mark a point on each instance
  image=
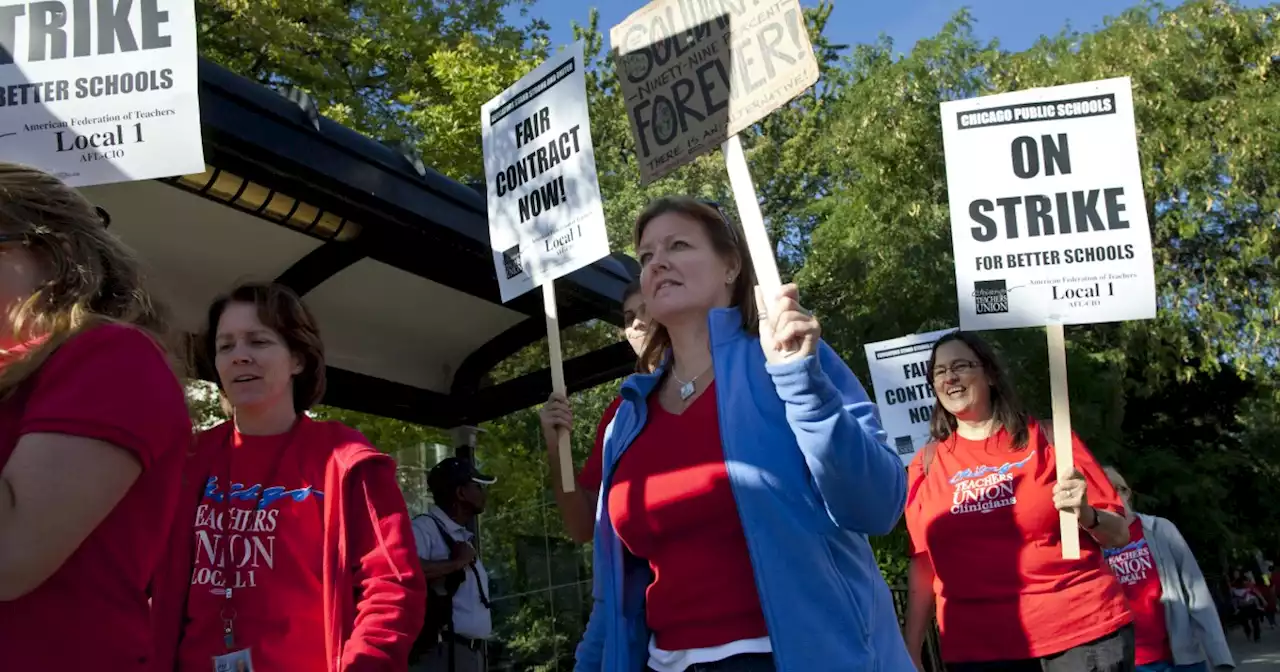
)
(228, 613)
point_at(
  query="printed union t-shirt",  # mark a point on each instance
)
(1135, 567)
(592, 474)
(985, 516)
(111, 383)
(268, 548)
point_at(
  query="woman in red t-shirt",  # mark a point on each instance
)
(294, 550)
(982, 511)
(1175, 622)
(578, 509)
(93, 430)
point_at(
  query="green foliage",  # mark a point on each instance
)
(411, 71)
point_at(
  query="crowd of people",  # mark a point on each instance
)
(729, 497)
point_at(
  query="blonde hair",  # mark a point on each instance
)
(728, 240)
(90, 277)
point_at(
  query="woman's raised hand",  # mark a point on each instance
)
(787, 330)
(555, 415)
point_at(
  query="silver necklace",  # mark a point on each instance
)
(688, 388)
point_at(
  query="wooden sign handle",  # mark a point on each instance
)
(744, 196)
(567, 480)
(1069, 522)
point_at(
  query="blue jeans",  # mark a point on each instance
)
(1170, 667)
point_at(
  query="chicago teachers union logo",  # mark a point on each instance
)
(984, 489)
(990, 296)
(1131, 563)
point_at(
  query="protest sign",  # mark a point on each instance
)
(1048, 219)
(904, 388)
(1053, 230)
(546, 219)
(100, 92)
(694, 74)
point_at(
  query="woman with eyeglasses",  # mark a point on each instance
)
(578, 509)
(293, 548)
(744, 470)
(1175, 621)
(93, 432)
(983, 515)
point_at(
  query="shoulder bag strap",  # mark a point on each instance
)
(484, 599)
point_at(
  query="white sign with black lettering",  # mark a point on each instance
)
(546, 219)
(904, 389)
(100, 92)
(695, 73)
(1048, 217)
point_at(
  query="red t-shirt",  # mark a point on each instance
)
(111, 383)
(592, 474)
(671, 504)
(270, 554)
(1134, 566)
(985, 517)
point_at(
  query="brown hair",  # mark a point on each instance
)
(728, 240)
(1005, 407)
(282, 311)
(92, 277)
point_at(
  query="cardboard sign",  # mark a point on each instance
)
(546, 219)
(695, 73)
(1048, 217)
(904, 389)
(100, 92)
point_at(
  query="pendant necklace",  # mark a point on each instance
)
(688, 388)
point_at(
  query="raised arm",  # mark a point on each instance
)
(862, 482)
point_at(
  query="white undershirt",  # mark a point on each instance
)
(662, 660)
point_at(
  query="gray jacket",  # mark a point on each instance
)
(1190, 615)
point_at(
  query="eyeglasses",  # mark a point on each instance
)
(728, 223)
(960, 368)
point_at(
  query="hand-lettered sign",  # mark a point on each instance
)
(695, 73)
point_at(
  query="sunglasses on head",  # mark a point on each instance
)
(728, 223)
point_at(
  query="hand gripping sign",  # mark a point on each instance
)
(694, 74)
(546, 219)
(1049, 222)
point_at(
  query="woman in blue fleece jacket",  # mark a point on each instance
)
(742, 478)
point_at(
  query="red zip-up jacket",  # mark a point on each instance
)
(372, 633)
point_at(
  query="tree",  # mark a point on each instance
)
(402, 71)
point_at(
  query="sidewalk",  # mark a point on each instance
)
(1263, 656)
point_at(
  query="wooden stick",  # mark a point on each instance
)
(567, 480)
(744, 195)
(1068, 522)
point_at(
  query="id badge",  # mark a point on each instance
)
(236, 661)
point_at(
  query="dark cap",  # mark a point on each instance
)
(453, 472)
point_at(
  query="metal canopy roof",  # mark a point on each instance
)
(392, 257)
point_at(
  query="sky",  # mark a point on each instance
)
(1016, 23)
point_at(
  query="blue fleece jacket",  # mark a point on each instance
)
(812, 477)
